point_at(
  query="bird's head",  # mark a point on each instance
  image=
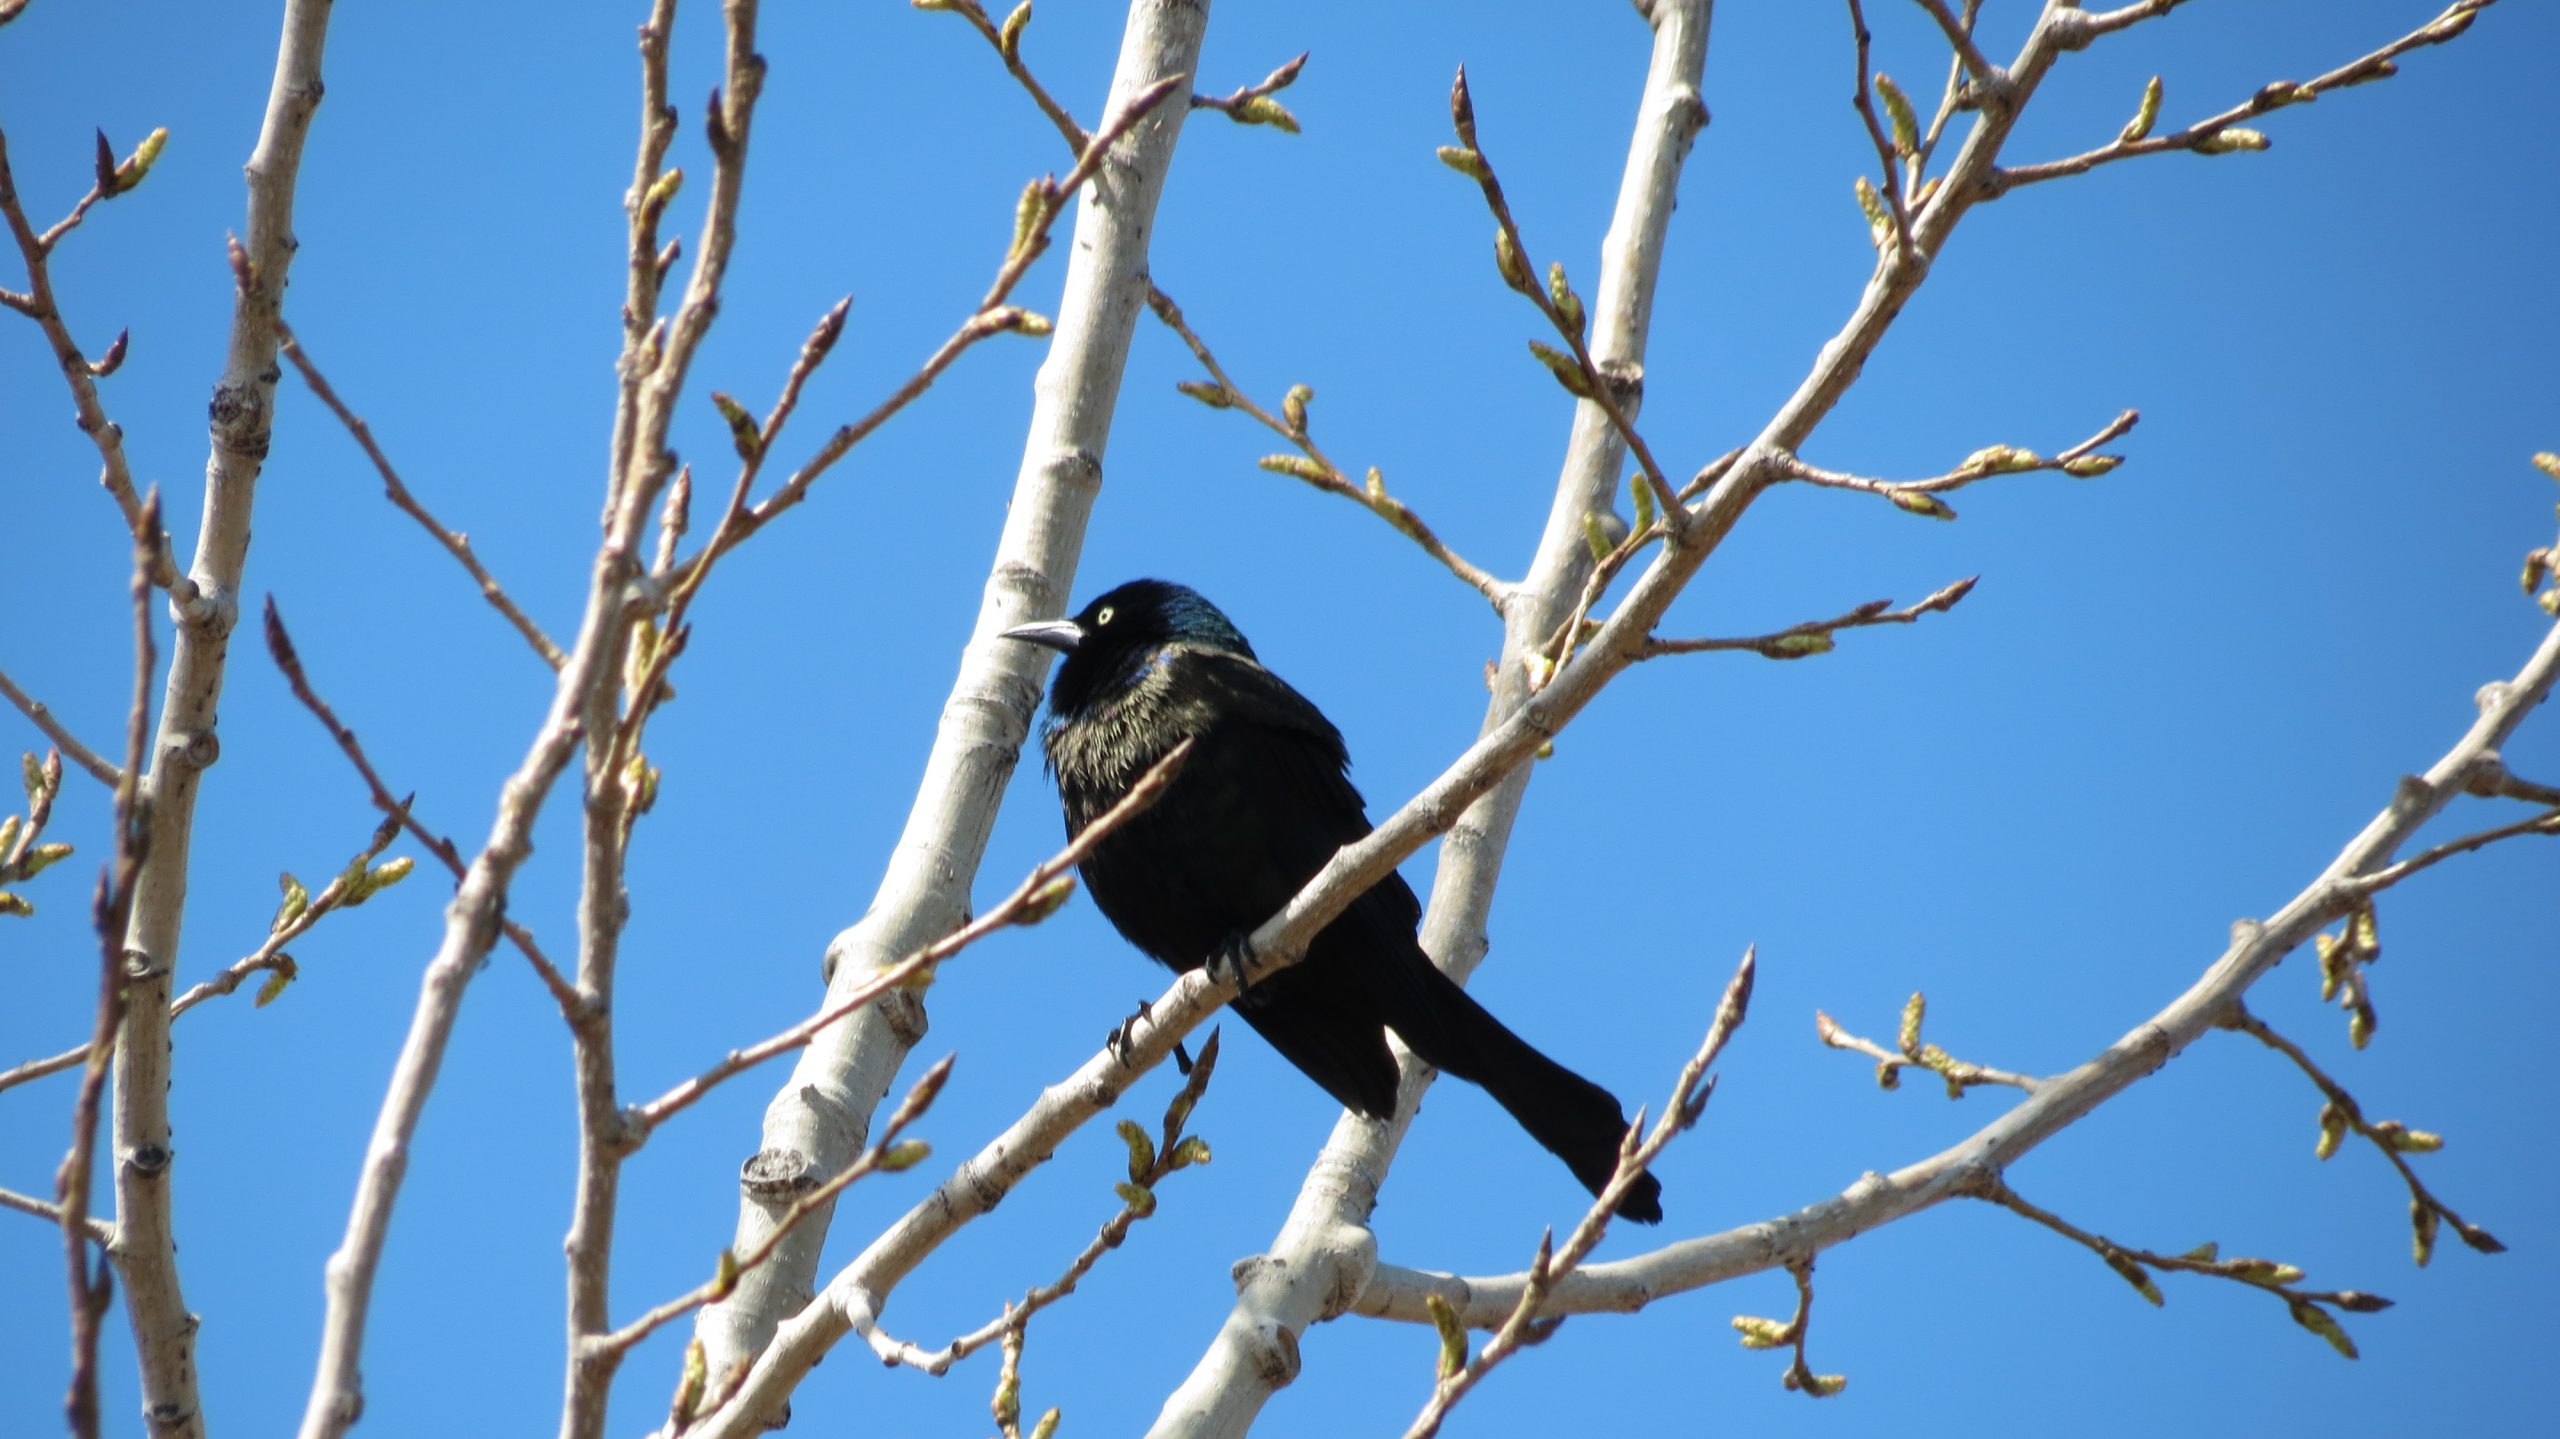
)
(1113, 640)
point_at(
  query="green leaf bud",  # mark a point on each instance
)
(1819, 1386)
(1879, 220)
(743, 432)
(2319, 1321)
(1921, 502)
(1263, 110)
(1465, 160)
(1759, 1333)
(2145, 115)
(1564, 367)
(1142, 1150)
(1047, 900)
(1453, 1335)
(2229, 139)
(1897, 108)
(296, 900)
(1296, 466)
(1508, 262)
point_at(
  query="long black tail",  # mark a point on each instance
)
(1575, 1119)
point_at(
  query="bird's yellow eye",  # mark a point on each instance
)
(1102, 616)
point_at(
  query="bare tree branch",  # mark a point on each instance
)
(822, 1114)
(455, 542)
(1969, 1168)
(80, 754)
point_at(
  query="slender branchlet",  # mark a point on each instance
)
(2222, 133)
(1311, 464)
(1525, 1325)
(2308, 1307)
(1911, 1051)
(1151, 1161)
(1759, 1333)
(288, 661)
(1038, 896)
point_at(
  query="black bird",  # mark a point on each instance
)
(1260, 806)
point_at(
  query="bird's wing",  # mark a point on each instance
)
(1300, 775)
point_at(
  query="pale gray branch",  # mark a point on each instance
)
(1324, 1247)
(1968, 1168)
(819, 1120)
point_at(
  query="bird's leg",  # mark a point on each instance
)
(1117, 1041)
(1233, 954)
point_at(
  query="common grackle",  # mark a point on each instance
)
(1259, 807)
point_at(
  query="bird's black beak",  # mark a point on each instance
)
(1059, 635)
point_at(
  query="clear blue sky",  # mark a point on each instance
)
(2178, 691)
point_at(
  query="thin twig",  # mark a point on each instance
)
(2133, 1266)
(2389, 1136)
(1252, 104)
(1523, 1327)
(646, 690)
(1599, 386)
(455, 542)
(1010, 51)
(99, 1230)
(288, 660)
(1959, 33)
(2389, 875)
(1322, 472)
(115, 472)
(2216, 134)
(992, 317)
(269, 955)
(1171, 1151)
(1813, 637)
(887, 1153)
(80, 754)
(2079, 461)
(1035, 899)
(1888, 156)
(1959, 1075)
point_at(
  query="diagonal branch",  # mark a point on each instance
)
(455, 542)
(1033, 900)
(102, 770)
(1317, 469)
(1524, 1326)
(115, 472)
(288, 660)
(1970, 1167)
(1813, 637)
(2222, 133)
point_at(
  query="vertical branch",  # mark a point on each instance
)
(1323, 1248)
(145, 1250)
(819, 1121)
(112, 910)
(642, 467)
(582, 711)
